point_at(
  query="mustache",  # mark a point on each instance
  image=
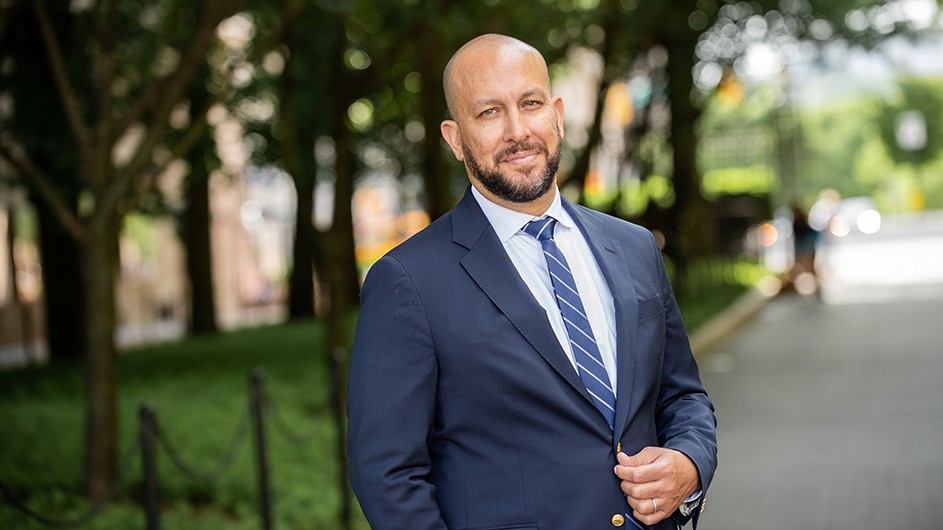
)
(517, 148)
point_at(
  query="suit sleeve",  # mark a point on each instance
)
(685, 416)
(391, 403)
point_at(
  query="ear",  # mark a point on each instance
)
(558, 110)
(453, 137)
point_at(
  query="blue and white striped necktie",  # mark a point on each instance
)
(585, 351)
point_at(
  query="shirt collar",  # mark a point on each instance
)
(507, 222)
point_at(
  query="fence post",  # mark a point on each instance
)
(149, 456)
(257, 409)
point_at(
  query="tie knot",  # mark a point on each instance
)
(542, 229)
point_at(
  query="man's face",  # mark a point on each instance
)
(507, 129)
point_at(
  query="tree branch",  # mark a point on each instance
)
(105, 66)
(42, 183)
(196, 130)
(175, 88)
(193, 134)
(164, 84)
(69, 101)
(141, 104)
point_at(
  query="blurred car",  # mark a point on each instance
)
(855, 215)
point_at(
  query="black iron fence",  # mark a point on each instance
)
(261, 414)
(710, 284)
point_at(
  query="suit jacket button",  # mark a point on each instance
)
(618, 520)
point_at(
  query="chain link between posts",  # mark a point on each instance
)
(97, 506)
(281, 425)
(267, 408)
(220, 469)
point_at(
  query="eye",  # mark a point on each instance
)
(488, 112)
(531, 104)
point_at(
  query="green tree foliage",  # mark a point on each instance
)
(834, 140)
(920, 99)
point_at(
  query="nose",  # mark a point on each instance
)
(516, 129)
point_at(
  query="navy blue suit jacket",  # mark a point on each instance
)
(464, 411)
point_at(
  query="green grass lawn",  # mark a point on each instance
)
(200, 389)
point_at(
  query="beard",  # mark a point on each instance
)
(503, 186)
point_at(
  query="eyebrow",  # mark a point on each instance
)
(528, 94)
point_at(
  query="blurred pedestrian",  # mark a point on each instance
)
(521, 362)
(802, 276)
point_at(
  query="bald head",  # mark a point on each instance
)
(480, 52)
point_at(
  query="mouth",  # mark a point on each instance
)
(522, 158)
(522, 155)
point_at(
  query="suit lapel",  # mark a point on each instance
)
(613, 262)
(490, 267)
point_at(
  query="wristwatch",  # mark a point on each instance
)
(687, 508)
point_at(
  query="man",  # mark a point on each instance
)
(503, 371)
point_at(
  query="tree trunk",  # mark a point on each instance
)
(691, 231)
(196, 237)
(199, 253)
(435, 180)
(344, 286)
(343, 281)
(63, 289)
(47, 141)
(298, 135)
(301, 286)
(338, 357)
(97, 264)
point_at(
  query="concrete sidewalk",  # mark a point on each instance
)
(830, 416)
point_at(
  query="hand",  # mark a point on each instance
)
(656, 481)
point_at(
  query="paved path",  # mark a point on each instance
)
(830, 413)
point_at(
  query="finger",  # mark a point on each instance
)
(642, 506)
(649, 454)
(644, 491)
(628, 461)
(646, 456)
(624, 464)
(640, 468)
(648, 511)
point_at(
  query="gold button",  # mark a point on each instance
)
(618, 520)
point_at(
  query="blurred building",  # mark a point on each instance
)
(252, 230)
